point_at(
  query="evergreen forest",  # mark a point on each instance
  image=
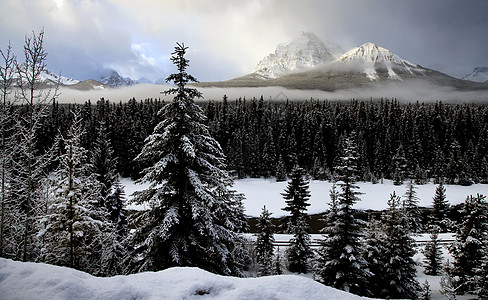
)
(422, 142)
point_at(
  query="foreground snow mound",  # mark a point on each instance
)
(41, 281)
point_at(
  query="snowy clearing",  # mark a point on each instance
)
(260, 192)
(41, 281)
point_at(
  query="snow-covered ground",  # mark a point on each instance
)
(41, 281)
(260, 192)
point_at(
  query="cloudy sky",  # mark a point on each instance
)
(227, 38)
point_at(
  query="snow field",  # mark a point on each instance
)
(259, 192)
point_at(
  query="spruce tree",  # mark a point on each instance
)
(115, 204)
(440, 209)
(340, 262)
(469, 249)
(104, 162)
(426, 293)
(433, 254)
(482, 279)
(264, 244)
(299, 253)
(296, 197)
(374, 249)
(411, 209)
(191, 220)
(398, 265)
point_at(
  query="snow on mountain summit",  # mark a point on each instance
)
(114, 79)
(374, 57)
(307, 51)
(48, 75)
(479, 74)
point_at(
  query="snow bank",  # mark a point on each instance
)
(41, 281)
(260, 192)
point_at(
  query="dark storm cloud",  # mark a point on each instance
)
(228, 38)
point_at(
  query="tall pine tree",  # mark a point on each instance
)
(440, 209)
(296, 196)
(398, 265)
(411, 209)
(264, 244)
(191, 220)
(469, 249)
(341, 263)
(433, 254)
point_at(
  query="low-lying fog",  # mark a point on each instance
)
(401, 90)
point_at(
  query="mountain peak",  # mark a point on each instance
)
(479, 74)
(113, 79)
(374, 57)
(304, 52)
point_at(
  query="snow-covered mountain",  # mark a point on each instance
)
(305, 52)
(370, 58)
(50, 79)
(48, 75)
(113, 79)
(309, 63)
(479, 74)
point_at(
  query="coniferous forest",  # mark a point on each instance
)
(423, 142)
(63, 203)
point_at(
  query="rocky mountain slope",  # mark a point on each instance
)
(307, 63)
(113, 79)
(479, 74)
(305, 52)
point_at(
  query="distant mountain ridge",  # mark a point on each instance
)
(307, 63)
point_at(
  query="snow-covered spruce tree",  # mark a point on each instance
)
(374, 248)
(340, 259)
(191, 219)
(426, 293)
(76, 226)
(278, 269)
(440, 209)
(299, 253)
(296, 197)
(433, 254)
(411, 209)
(469, 249)
(398, 265)
(104, 162)
(264, 244)
(482, 279)
(448, 288)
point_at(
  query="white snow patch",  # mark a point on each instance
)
(259, 192)
(41, 281)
